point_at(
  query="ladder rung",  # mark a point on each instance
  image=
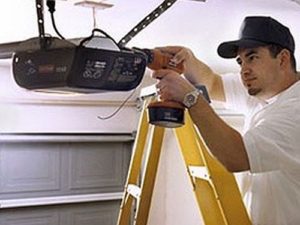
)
(134, 190)
(199, 172)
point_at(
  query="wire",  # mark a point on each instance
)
(118, 109)
(94, 18)
(55, 28)
(51, 8)
(93, 35)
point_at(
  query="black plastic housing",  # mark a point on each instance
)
(79, 69)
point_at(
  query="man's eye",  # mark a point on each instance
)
(252, 57)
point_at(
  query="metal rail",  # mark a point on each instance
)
(146, 21)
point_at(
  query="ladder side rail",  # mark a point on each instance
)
(134, 168)
(210, 210)
(149, 177)
(225, 186)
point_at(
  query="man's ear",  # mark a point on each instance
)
(285, 58)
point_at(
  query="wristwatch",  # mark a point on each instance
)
(190, 98)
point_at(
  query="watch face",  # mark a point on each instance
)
(190, 99)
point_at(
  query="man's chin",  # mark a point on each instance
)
(254, 91)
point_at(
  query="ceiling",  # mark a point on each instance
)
(198, 25)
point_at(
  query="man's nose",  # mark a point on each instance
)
(245, 70)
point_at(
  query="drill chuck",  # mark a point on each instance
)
(160, 60)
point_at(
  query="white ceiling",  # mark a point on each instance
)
(200, 26)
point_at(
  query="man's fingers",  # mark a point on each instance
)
(169, 49)
(159, 74)
(180, 56)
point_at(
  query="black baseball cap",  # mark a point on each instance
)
(258, 31)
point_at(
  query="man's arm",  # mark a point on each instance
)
(225, 143)
(196, 71)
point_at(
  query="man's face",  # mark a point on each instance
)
(259, 72)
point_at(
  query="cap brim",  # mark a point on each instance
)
(230, 49)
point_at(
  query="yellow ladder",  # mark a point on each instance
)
(216, 190)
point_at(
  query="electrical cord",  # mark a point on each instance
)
(118, 109)
(93, 35)
(55, 28)
(51, 8)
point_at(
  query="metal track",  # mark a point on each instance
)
(40, 17)
(146, 21)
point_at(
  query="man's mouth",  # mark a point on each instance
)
(249, 81)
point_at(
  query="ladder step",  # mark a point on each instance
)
(200, 172)
(134, 190)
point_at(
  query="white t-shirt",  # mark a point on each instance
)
(271, 136)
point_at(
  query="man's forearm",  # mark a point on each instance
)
(204, 75)
(225, 143)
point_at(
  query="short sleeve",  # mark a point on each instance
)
(273, 142)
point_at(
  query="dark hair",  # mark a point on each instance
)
(276, 49)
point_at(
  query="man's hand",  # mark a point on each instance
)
(194, 70)
(171, 85)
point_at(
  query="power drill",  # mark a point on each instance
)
(164, 113)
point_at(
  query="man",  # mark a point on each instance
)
(268, 93)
